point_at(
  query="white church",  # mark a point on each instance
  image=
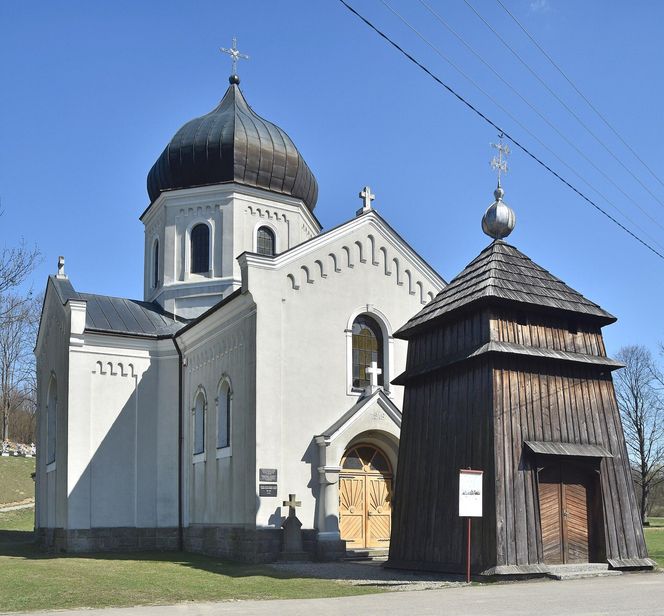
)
(258, 364)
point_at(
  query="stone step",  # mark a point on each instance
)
(580, 567)
(581, 575)
(367, 554)
(580, 570)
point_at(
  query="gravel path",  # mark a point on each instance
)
(372, 573)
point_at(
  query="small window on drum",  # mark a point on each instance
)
(155, 264)
(200, 249)
(265, 241)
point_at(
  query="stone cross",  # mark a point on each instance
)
(61, 267)
(367, 198)
(292, 546)
(234, 54)
(291, 503)
(373, 371)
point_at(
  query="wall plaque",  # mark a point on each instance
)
(267, 474)
(267, 489)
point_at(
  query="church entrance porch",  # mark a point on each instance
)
(365, 496)
(570, 512)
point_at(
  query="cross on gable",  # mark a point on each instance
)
(291, 503)
(367, 198)
(373, 371)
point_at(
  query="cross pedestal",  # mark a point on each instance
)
(292, 535)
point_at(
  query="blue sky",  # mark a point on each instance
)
(91, 92)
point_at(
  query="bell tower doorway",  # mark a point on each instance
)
(570, 513)
(365, 498)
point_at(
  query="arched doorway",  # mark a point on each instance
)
(365, 497)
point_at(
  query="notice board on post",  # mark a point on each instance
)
(470, 493)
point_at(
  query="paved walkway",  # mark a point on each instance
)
(15, 507)
(627, 595)
(372, 573)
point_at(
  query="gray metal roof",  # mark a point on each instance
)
(119, 315)
(505, 274)
(568, 449)
(127, 316)
(233, 144)
(64, 289)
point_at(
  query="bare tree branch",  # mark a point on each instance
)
(640, 393)
(17, 366)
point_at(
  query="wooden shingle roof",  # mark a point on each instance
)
(505, 275)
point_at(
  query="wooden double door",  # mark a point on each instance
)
(365, 496)
(570, 513)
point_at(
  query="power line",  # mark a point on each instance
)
(581, 94)
(523, 148)
(514, 119)
(572, 113)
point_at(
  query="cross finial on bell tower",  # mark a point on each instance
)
(499, 219)
(235, 55)
(367, 197)
(499, 163)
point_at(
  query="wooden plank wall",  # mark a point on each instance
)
(547, 332)
(455, 337)
(552, 401)
(477, 414)
(446, 426)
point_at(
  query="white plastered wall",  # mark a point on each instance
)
(218, 483)
(233, 213)
(52, 361)
(304, 307)
(123, 408)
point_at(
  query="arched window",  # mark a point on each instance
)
(224, 416)
(265, 241)
(51, 420)
(367, 348)
(200, 249)
(199, 423)
(155, 264)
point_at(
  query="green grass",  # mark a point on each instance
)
(33, 580)
(655, 540)
(16, 484)
(22, 520)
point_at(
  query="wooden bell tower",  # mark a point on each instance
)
(507, 373)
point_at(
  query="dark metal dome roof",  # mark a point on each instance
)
(233, 144)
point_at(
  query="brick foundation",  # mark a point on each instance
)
(255, 545)
(108, 539)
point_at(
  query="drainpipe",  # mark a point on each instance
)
(180, 447)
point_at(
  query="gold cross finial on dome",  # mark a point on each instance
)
(499, 162)
(235, 55)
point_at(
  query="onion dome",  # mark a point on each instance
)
(233, 144)
(499, 219)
